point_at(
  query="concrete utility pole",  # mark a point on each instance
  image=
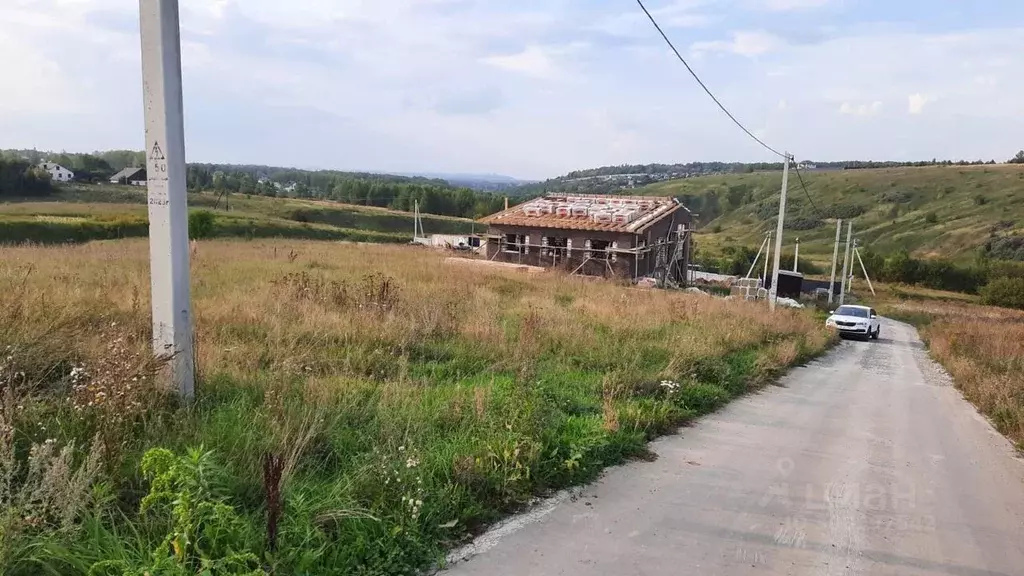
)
(796, 256)
(773, 295)
(846, 262)
(835, 259)
(168, 208)
(767, 260)
(416, 220)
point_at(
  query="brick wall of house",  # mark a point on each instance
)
(568, 249)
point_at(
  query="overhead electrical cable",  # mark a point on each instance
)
(701, 82)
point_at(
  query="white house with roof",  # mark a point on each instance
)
(57, 172)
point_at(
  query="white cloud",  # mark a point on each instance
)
(851, 109)
(917, 102)
(532, 89)
(743, 43)
(533, 61)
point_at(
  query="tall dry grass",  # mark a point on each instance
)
(294, 308)
(982, 347)
(367, 405)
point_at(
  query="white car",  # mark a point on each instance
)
(855, 321)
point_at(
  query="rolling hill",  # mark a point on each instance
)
(95, 212)
(952, 212)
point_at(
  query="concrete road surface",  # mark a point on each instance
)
(865, 462)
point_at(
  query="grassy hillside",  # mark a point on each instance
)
(87, 212)
(940, 211)
(403, 403)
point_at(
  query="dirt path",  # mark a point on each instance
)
(865, 462)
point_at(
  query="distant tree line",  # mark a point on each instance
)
(613, 179)
(88, 167)
(736, 260)
(703, 168)
(688, 168)
(900, 267)
(19, 178)
(1000, 283)
(435, 196)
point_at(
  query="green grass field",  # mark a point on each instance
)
(87, 212)
(404, 402)
(942, 211)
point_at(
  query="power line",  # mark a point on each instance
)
(796, 168)
(702, 85)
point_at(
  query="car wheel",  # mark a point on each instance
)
(877, 333)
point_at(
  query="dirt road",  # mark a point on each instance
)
(865, 462)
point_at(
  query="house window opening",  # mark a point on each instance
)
(555, 247)
(514, 243)
(599, 249)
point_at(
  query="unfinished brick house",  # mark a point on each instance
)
(625, 236)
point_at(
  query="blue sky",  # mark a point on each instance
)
(528, 88)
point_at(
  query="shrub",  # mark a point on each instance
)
(1006, 248)
(767, 210)
(200, 224)
(207, 536)
(844, 211)
(896, 197)
(804, 223)
(1004, 292)
(931, 218)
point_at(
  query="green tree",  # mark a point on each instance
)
(1018, 159)
(1004, 292)
(200, 224)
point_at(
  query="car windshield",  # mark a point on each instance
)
(851, 311)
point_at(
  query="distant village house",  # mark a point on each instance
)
(132, 176)
(57, 172)
(626, 236)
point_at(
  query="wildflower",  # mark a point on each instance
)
(670, 385)
(412, 462)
